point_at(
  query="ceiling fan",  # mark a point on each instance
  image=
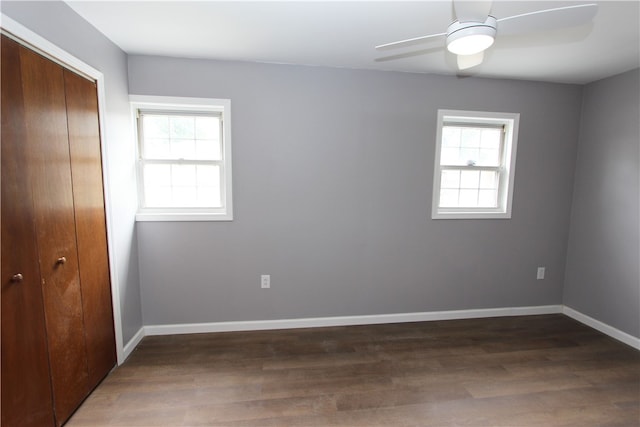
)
(475, 30)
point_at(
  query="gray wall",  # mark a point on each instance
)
(333, 172)
(603, 276)
(332, 190)
(59, 24)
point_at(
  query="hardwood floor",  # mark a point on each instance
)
(514, 371)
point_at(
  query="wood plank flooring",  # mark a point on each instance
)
(514, 371)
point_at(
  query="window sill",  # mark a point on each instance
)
(470, 215)
(186, 216)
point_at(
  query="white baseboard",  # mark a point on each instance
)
(315, 322)
(602, 327)
(132, 344)
(257, 325)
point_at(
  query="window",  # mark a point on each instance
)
(184, 159)
(474, 164)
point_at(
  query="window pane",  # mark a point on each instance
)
(208, 149)
(468, 198)
(458, 156)
(191, 186)
(157, 175)
(208, 175)
(183, 149)
(489, 157)
(488, 198)
(209, 197)
(470, 179)
(183, 175)
(184, 196)
(488, 179)
(155, 126)
(209, 186)
(450, 157)
(156, 148)
(207, 128)
(450, 179)
(468, 188)
(469, 146)
(450, 136)
(448, 198)
(157, 196)
(470, 137)
(181, 137)
(182, 127)
(469, 156)
(491, 138)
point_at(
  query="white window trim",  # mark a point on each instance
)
(511, 122)
(163, 103)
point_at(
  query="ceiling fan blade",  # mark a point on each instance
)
(469, 61)
(469, 10)
(409, 42)
(548, 19)
(409, 54)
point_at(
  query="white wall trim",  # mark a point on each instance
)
(132, 344)
(315, 322)
(33, 40)
(22, 34)
(602, 327)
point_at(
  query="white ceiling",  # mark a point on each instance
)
(343, 34)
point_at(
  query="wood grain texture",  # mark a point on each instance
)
(46, 139)
(514, 371)
(26, 388)
(91, 232)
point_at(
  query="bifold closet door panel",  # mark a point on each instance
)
(86, 168)
(48, 144)
(26, 387)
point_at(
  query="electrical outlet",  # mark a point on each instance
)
(540, 274)
(265, 281)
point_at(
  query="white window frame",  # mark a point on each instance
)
(186, 105)
(510, 121)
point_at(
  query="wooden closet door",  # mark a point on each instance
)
(48, 144)
(86, 168)
(26, 387)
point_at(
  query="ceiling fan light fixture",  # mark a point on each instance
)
(468, 38)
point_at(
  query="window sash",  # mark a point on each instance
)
(454, 124)
(499, 186)
(499, 170)
(185, 205)
(458, 152)
(222, 184)
(145, 161)
(172, 113)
